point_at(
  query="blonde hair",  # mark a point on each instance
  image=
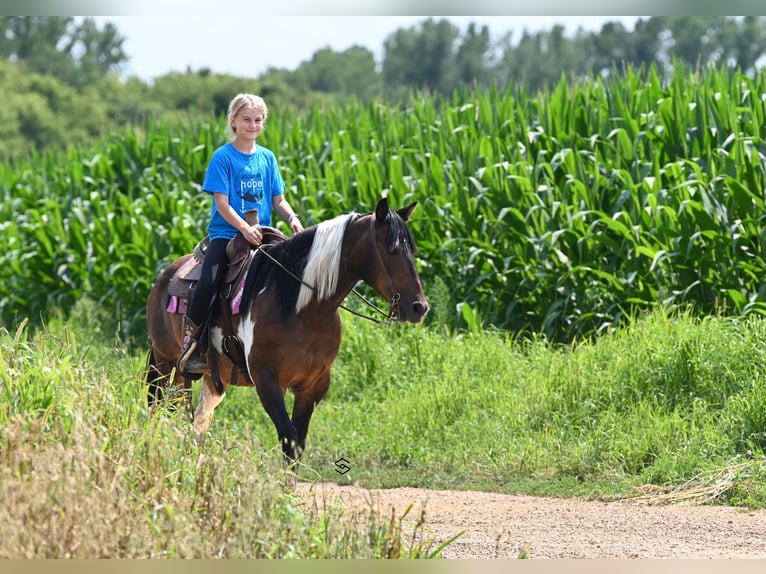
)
(242, 101)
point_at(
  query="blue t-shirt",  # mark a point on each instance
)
(248, 180)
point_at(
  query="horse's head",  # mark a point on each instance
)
(391, 268)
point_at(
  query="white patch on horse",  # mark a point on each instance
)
(246, 334)
(204, 411)
(323, 261)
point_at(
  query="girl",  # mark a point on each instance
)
(240, 176)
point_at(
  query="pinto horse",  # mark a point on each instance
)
(290, 328)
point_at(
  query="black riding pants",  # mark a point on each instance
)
(211, 277)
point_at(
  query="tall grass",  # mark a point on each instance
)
(87, 472)
(561, 212)
(557, 215)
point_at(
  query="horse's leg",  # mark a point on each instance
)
(303, 409)
(273, 400)
(208, 400)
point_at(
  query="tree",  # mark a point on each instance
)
(540, 58)
(749, 44)
(692, 40)
(647, 40)
(198, 94)
(350, 73)
(420, 57)
(76, 52)
(40, 112)
(472, 63)
(609, 47)
(96, 52)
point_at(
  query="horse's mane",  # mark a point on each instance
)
(313, 255)
(321, 270)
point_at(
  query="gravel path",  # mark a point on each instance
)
(503, 526)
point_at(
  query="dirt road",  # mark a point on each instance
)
(505, 526)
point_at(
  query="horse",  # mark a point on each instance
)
(290, 327)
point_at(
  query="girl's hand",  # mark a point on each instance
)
(295, 224)
(253, 234)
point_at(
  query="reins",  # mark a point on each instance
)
(391, 317)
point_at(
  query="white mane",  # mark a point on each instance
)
(323, 261)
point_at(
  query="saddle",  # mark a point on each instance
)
(242, 257)
(243, 262)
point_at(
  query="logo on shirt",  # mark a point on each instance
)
(251, 187)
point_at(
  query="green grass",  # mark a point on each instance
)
(655, 403)
(594, 214)
(670, 401)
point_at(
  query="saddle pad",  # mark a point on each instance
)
(186, 274)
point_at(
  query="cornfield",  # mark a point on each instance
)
(561, 212)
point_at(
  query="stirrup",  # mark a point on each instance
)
(191, 362)
(194, 365)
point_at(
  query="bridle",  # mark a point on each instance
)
(393, 305)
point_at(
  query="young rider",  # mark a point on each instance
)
(240, 176)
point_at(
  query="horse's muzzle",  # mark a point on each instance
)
(416, 313)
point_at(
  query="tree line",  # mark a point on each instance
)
(61, 85)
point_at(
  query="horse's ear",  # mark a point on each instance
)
(381, 211)
(405, 212)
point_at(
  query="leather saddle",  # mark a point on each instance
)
(241, 256)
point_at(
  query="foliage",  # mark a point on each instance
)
(74, 53)
(40, 112)
(347, 74)
(431, 45)
(578, 213)
(77, 52)
(559, 213)
(101, 222)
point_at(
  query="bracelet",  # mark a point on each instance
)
(295, 215)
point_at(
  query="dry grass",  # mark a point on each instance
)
(708, 487)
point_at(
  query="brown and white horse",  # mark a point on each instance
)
(290, 328)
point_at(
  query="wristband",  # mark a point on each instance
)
(295, 215)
